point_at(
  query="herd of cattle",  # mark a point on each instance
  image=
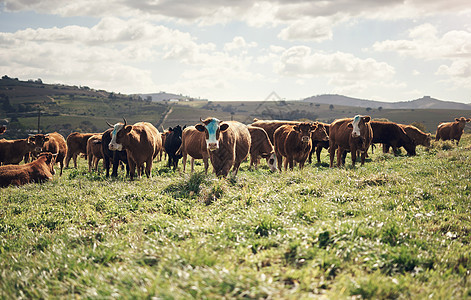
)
(226, 144)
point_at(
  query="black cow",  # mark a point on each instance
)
(112, 156)
(173, 142)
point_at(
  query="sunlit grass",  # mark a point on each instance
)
(397, 227)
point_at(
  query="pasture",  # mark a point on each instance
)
(397, 227)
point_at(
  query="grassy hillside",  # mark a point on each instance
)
(69, 108)
(397, 227)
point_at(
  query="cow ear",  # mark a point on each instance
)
(350, 125)
(224, 127)
(296, 127)
(127, 129)
(199, 127)
(457, 120)
(170, 129)
(366, 119)
(468, 120)
(46, 138)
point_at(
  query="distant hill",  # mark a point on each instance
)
(426, 102)
(163, 96)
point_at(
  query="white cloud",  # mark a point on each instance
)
(239, 43)
(317, 29)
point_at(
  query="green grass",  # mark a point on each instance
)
(397, 227)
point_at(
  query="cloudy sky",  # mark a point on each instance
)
(389, 50)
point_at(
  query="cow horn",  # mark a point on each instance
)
(201, 120)
(109, 124)
(124, 121)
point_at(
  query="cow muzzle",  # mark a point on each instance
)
(213, 146)
(115, 147)
(305, 139)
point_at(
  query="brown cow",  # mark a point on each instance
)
(39, 170)
(270, 126)
(142, 142)
(94, 151)
(76, 144)
(57, 146)
(294, 143)
(392, 135)
(417, 136)
(13, 151)
(228, 144)
(193, 144)
(261, 146)
(451, 130)
(350, 135)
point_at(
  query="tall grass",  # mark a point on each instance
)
(397, 227)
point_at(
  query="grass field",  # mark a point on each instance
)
(397, 227)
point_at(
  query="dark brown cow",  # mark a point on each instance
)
(451, 130)
(142, 142)
(261, 146)
(76, 144)
(193, 144)
(391, 134)
(94, 151)
(417, 136)
(39, 170)
(294, 143)
(13, 151)
(228, 144)
(350, 135)
(57, 146)
(319, 145)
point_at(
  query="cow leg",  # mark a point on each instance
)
(318, 154)
(205, 162)
(279, 159)
(67, 159)
(386, 148)
(148, 167)
(90, 158)
(354, 156)
(332, 155)
(61, 164)
(184, 162)
(339, 156)
(363, 157)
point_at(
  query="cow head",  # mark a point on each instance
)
(212, 127)
(319, 134)
(49, 159)
(305, 130)
(462, 122)
(114, 145)
(358, 125)
(37, 141)
(271, 160)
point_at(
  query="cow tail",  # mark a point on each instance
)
(179, 151)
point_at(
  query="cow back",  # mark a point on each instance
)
(260, 143)
(193, 143)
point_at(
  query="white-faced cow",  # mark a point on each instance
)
(228, 144)
(142, 142)
(350, 135)
(451, 130)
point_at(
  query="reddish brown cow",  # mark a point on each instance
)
(39, 170)
(417, 136)
(193, 144)
(261, 146)
(270, 126)
(228, 144)
(13, 151)
(57, 146)
(451, 130)
(76, 144)
(142, 142)
(350, 135)
(294, 143)
(94, 151)
(391, 134)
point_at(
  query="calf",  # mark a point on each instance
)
(76, 144)
(110, 156)
(13, 151)
(228, 144)
(391, 134)
(350, 135)
(57, 146)
(94, 152)
(451, 130)
(39, 170)
(173, 141)
(193, 144)
(261, 146)
(142, 142)
(294, 143)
